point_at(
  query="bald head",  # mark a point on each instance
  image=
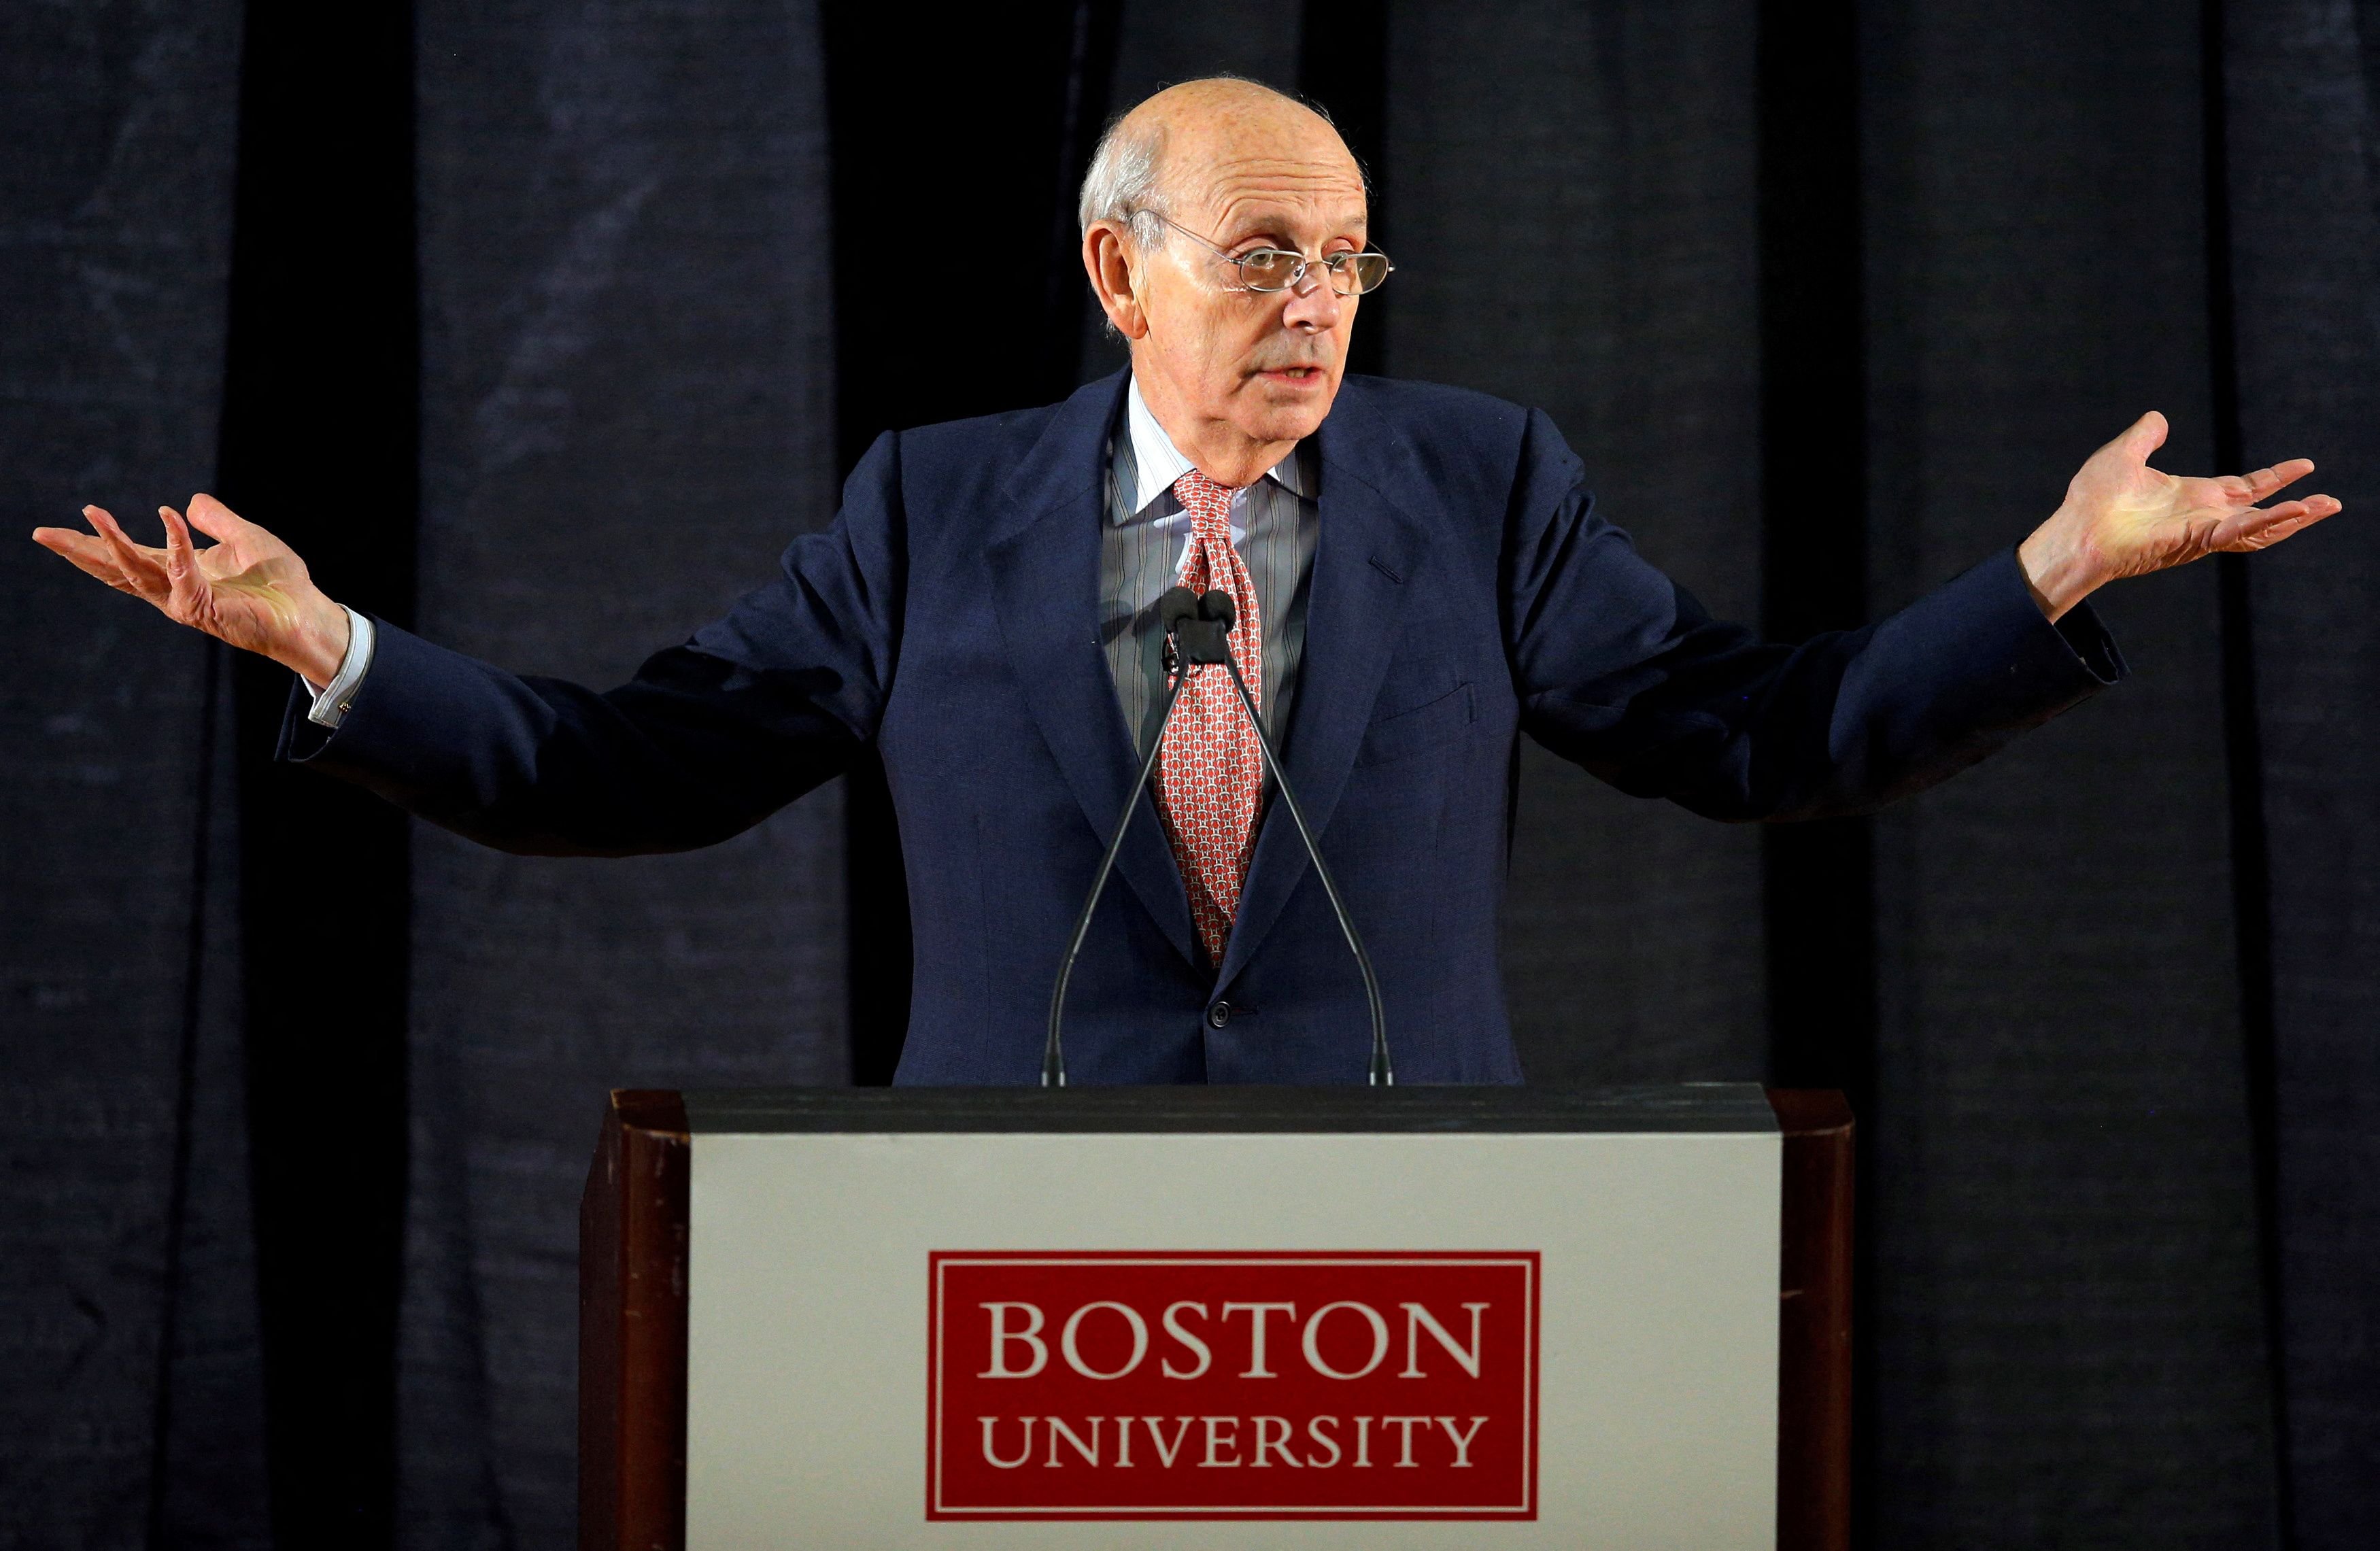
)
(1178, 151)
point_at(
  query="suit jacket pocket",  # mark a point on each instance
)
(1408, 732)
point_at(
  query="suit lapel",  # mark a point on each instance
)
(1044, 558)
(1368, 547)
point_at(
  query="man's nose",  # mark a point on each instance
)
(1313, 306)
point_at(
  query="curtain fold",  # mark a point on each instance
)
(2299, 81)
(1576, 220)
(628, 391)
(2065, 1323)
(133, 1407)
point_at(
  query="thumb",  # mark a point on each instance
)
(213, 518)
(2143, 436)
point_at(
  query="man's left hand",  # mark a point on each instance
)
(2123, 518)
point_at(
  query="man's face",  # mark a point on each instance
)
(1267, 364)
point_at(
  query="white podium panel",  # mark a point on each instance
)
(1313, 1320)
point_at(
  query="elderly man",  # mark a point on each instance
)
(1418, 574)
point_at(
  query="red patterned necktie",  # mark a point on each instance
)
(1209, 769)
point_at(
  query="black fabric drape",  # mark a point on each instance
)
(2065, 1327)
(630, 391)
(2300, 77)
(132, 1411)
(320, 444)
(1576, 229)
(956, 294)
(1818, 880)
(211, 1485)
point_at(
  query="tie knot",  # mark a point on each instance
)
(1201, 497)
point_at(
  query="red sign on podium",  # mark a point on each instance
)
(1249, 1384)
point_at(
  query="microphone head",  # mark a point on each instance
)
(1178, 603)
(1218, 606)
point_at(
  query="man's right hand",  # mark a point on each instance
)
(248, 587)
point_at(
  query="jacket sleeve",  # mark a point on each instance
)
(707, 740)
(1620, 671)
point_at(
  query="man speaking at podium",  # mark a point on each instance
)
(1415, 575)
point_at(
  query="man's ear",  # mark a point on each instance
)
(1106, 259)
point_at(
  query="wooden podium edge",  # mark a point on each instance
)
(632, 1308)
(1814, 1348)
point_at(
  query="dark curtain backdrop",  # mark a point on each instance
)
(1606, 157)
(628, 388)
(132, 1413)
(2298, 99)
(2063, 1209)
(545, 326)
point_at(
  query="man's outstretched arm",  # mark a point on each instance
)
(708, 739)
(1622, 670)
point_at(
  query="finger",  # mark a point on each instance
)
(182, 564)
(2263, 526)
(213, 518)
(85, 553)
(2261, 535)
(141, 566)
(102, 522)
(2315, 507)
(2248, 489)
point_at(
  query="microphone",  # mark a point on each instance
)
(1178, 604)
(1198, 633)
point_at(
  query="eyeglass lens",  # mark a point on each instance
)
(1270, 269)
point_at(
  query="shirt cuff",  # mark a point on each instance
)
(332, 700)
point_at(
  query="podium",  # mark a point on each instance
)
(1228, 1317)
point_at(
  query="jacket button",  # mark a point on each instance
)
(1220, 1014)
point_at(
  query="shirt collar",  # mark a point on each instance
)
(1157, 463)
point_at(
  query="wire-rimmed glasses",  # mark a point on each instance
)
(1277, 268)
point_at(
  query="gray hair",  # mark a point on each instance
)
(1122, 185)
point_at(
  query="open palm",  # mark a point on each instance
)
(2136, 519)
(248, 588)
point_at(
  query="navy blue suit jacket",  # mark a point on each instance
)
(1464, 591)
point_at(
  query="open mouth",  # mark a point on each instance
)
(1294, 376)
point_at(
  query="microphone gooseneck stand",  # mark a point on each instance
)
(1053, 1053)
(1382, 1074)
(1198, 633)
